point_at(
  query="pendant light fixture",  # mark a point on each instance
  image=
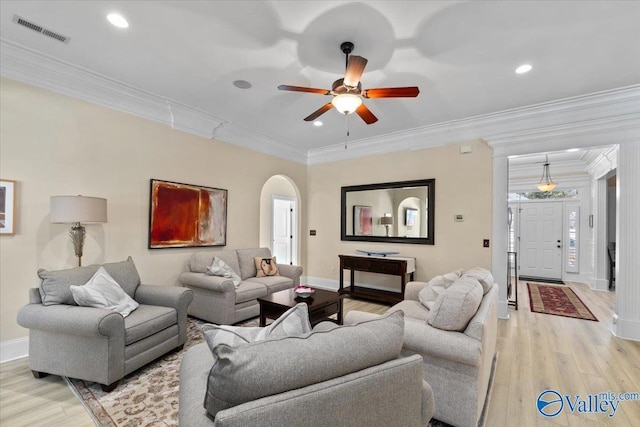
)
(546, 183)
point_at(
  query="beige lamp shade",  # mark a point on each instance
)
(71, 209)
(386, 220)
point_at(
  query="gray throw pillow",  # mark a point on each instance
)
(456, 306)
(55, 286)
(222, 269)
(102, 291)
(294, 321)
(483, 275)
(251, 371)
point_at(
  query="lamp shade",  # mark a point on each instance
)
(70, 209)
(386, 220)
(346, 103)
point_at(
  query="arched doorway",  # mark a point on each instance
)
(280, 218)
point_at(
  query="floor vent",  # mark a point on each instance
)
(35, 27)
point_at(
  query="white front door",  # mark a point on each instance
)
(282, 245)
(541, 240)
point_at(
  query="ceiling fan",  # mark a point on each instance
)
(347, 92)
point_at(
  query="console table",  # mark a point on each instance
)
(395, 266)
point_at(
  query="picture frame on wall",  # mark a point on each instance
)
(186, 215)
(362, 220)
(7, 206)
(410, 217)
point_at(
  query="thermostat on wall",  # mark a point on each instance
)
(458, 218)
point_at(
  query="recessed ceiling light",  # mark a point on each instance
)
(117, 20)
(242, 84)
(572, 150)
(524, 68)
(317, 123)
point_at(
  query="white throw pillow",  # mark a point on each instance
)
(294, 321)
(483, 275)
(436, 286)
(456, 306)
(222, 269)
(102, 291)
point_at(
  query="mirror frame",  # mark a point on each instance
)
(429, 183)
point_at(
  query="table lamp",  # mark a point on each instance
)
(387, 221)
(75, 210)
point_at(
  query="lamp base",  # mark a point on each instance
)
(77, 233)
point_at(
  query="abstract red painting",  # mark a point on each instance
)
(184, 215)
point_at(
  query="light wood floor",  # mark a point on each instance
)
(536, 352)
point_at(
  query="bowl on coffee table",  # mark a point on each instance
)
(303, 291)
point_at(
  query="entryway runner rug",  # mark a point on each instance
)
(149, 396)
(557, 300)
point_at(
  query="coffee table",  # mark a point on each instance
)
(321, 303)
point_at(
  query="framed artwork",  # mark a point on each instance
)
(362, 220)
(185, 215)
(410, 217)
(7, 206)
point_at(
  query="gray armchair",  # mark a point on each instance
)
(96, 344)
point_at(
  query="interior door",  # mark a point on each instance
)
(282, 230)
(541, 240)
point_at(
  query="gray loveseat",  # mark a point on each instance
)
(458, 364)
(97, 344)
(218, 300)
(349, 376)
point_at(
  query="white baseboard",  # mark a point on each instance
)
(14, 349)
(626, 329)
(503, 310)
(599, 284)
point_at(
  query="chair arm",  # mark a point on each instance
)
(422, 338)
(166, 296)
(412, 289)
(291, 271)
(71, 320)
(205, 281)
(354, 316)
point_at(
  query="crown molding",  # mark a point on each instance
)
(602, 118)
(604, 163)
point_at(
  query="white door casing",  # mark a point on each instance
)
(541, 240)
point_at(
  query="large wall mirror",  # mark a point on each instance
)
(398, 212)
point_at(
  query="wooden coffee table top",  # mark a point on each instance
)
(288, 298)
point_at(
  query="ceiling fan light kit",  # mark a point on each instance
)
(347, 92)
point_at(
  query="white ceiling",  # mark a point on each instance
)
(462, 55)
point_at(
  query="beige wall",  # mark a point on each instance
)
(52, 145)
(463, 185)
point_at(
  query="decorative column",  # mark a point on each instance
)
(601, 267)
(627, 309)
(500, 232)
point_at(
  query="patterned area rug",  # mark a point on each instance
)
(557, 300)
(149, 396)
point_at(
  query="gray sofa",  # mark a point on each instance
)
(97, 344)
(218, 300)
(349, 376)
(459, 365)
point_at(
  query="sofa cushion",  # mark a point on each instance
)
(436, 286)
(102, 291)
(266, 266)
(220, 268)
(250, 290)
(412, 309)
(55, 286)
(251, 371)
(246, 259)
(455, 307)
(146, 321)
(200, 260)
(273, 283)
(294, 321)
(483, 275)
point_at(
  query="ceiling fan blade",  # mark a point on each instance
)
(392, 92)
(366, 114)
(304, 89)
(355, 68)
(320, 111)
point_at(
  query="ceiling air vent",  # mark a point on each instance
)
(35, 27)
